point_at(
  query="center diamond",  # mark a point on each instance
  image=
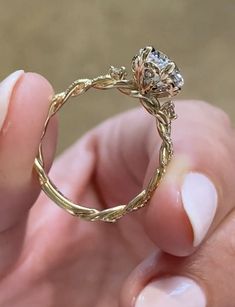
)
(154, 71)
(161, 61)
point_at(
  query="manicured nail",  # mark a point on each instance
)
(176, 291)
(199, 197)
(6, 90)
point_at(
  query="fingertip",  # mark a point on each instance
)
(43, 92)
(166, 221)
(44, 86)
(20, 136)
(25, 120)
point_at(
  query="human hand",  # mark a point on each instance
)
(49, 258)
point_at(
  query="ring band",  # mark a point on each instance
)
(155, 80)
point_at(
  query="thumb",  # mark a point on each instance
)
(24, 101)
(197, 191)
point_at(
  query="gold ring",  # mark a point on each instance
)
(156, 79)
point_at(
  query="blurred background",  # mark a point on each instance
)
(66, 40)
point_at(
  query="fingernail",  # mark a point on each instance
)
(176, 291)
(199, 197)
(6, 90)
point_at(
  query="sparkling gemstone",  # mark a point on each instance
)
(158, 58)
(177, 79)
(161, 61)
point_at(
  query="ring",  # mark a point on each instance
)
(156, 79)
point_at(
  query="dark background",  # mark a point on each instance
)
(65, 40)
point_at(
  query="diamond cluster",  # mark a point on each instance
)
(155, 72)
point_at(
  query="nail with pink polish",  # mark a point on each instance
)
(6, 90)
(174, 291)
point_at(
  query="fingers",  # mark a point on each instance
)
(197, 191)
(24, 100)
(195, 194)
(27, 104)
(204, 279)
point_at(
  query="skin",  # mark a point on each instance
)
(49, 258)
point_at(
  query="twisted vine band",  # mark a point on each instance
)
(156, 79)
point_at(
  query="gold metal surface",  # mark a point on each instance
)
(154, 86)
